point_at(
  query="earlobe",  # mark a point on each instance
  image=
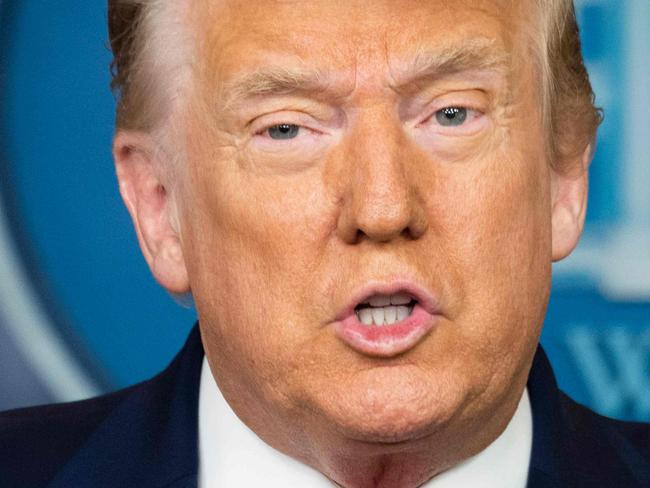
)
(569, 205)
(146, 196)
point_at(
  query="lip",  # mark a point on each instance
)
(387, 340)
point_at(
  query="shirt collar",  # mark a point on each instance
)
(231, 455)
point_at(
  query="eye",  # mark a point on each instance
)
(283, 131)
(451, 116)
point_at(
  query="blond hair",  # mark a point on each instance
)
(569, 113)
(150, 43)
(145, 53)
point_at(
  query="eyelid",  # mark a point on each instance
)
(475, 100)
(304, 120)
(471, 99)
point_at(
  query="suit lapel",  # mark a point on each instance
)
(547, 453)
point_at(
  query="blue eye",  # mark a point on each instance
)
(451, 116)
(283, 131)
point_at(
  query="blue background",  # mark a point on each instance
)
(76, 240)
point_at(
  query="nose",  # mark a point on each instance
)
(381, 201)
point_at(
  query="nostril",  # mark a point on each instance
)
(409, 235)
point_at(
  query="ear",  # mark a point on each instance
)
(569, 200)
(139, 173)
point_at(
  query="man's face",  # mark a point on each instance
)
(343, 154)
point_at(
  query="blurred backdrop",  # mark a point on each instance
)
(80, 313)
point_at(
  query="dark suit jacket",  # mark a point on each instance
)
(147, 436)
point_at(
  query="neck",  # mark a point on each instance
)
(412, 464)
(354, 464)
(385, 471)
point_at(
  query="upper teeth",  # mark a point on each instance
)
(385, 310)
(384, 300)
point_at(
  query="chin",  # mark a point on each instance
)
(391, 433)
(391, 406)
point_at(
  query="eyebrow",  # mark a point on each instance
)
(474, 55)
(427, 66)
(276, 81)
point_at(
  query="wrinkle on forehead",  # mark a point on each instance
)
(246, 51)
(421, 66)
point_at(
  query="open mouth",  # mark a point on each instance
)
(382, 310)
(387, 319)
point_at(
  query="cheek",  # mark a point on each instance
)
(499, 243)
(257, 241)
(273, 228)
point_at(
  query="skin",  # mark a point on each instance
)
(274, 237)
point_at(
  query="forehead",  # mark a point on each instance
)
(353, 38)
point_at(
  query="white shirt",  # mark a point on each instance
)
(232, 456)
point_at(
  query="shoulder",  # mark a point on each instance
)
(36, 442)
(585, 420)
(603, 449)
(144, 435)
(574, 446)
